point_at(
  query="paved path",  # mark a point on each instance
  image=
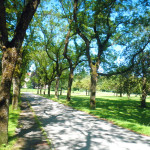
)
(29, 134)
(75, 130)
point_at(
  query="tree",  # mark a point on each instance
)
(16, 83)
(103, 26)
(11, 50)
(45, 69)
(142, 69)
(74, 58)
(93, 22)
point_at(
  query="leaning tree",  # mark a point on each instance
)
(10, 46)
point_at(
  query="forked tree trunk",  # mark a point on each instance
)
(93, 87)
(16, 90)
(8, 66)
(144, 93)
(56, 88)
(70, 85)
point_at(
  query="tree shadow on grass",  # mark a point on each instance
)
(73, 129)
(116, 108)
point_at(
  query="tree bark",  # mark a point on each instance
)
(10, 52)
(8, 67)
(49, 89)
(56, 88)
(16, 89)
(144, 93)
(16, 82)
(38, 90)
(86, 92)
(61, 89)
(44, 89)
(93, 86)
(70, 85)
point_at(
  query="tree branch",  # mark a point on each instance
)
(3, 29)
(87, 42)
(128, 68)
(24, 21)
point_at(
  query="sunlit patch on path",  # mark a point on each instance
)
(75, 130)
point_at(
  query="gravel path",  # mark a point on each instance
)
(75, 130)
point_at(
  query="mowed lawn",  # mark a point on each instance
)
(122, 111)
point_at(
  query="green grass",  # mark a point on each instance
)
(13, 123)
(29, 90)
(122, 111)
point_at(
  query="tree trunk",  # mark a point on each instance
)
(44, 89)
(56, 88)
(44, 92)
(16, 87)
(144, 93)
(86, 92)
(10, 51)
(93, 87)
(49, 87)
(120, 93)
(16, 82)
(70, 85)
(61, 89)
(8, 66)
(38, 90)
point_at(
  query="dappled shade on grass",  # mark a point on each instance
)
(121, 110)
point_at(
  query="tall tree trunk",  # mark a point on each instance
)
(70, 85)
(86, 92)
(144, 93)
(61, 90)
(16, 89)
(16, 82)
(93, 86)
(120, 93)
(10, 51)
(44, 89)
(56, 88)
(8, 66)
(38, 90)
(49, 89)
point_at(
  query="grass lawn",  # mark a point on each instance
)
(13, 122)
(120, 110)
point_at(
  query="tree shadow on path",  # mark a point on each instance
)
(29, 134)
(75, 130)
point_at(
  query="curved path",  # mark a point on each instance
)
(70, 129)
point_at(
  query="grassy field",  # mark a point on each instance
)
(122, 111)
(13, 123)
